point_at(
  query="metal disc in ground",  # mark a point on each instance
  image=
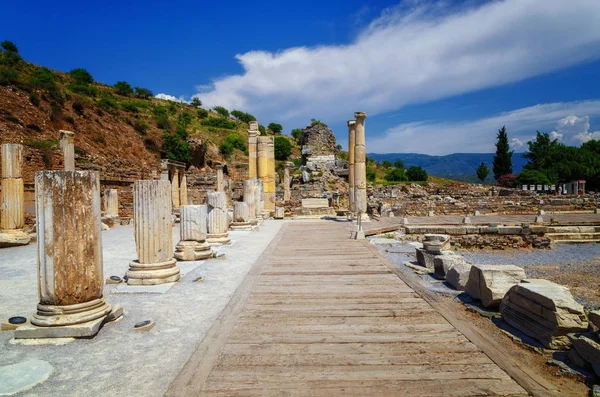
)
(115, 278)
(142, 324)
(17, 320)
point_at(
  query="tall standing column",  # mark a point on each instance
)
(193, 245)
(360, 166)
(351, 144)
(111, 203)
(67, 143)
(70, 269)
(220, 181)
(258, 198)
(287, 195)
(249, 186)
(252, 148)
(218, 222)
(12, 204)
(183, 198)
(175, 190)
(266, 171)
(153, 231)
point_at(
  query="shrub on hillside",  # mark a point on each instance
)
(221, 110)
(81, 76)
(34, 99)
(283, 148)
(395, 175)
(236, 141)
(9, 46)
(276, 128)
(371, 175)
(176, 147)
(186, 118)
(317, 122)
(196, 102)
(242, 116)
(140, 126)
(84, 89)
(8, 76)
(202, 113)
(143, 92)
(130, 106)
(219, 123)
(297, 135)
(162, 121)
(123, 88)
(263, 131)
(78, 106)
(508, 180)
(416, 174)
(107, 103)
(226, 149)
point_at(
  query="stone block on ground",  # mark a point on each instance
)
(425, 258)
(490, 283)
(594, 317)
(545, 311)
(436, 243)
(443, 263)
(587, 348)
(458, 275)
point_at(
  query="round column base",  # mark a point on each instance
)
(240, 226)
(216, 239)
(191, 250)
(52, 315)
(153, 273)
(13, 238)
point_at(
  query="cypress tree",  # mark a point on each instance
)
(503, 157)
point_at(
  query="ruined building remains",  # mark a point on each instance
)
(318, 147)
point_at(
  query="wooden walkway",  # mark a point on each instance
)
(323, 315)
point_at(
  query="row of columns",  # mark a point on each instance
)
(12, 204)
(261, 164)
(174, 172)
(357, 168)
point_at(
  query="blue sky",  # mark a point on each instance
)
(435, 77)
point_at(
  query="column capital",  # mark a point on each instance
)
(67, 135)
(351, 123)
(360, 115)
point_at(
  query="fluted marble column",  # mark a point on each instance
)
(287, 194)
(12, 203)
(153, 235)
(266, 171)
(175, 190)
(258, 198)
(111, 203)
(249, 186)
(253, 134)
(67, 143)
(218, 222)
(70, 269)
(241, 216)
(183, 198)
(351, 144)
(220, 182)
(360, 167)
(193, 245)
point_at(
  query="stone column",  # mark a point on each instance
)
(111, 203)
(351, 144)
(193, 245)
(253, 134)
(175, 190)
(153, 233)
(67, 144)
(70, 269)
(249, 187)
(220, 182)
(183, 199)
(241, 216)
(12, 204)
(218, 223)
(266, 171)
(360, 167)
(258, 198)
(287, 195)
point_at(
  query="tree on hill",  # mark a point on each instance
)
(283, 148)
(196, 102)
(482, 172)
(395, 175)
(243, 116)
(276, 128)
(503, 157)
(263, 131)
(9, 46)
(81, 76)
(221, 110)
(123, 88)
(143, 92)
(416, 174)
(386, 164)
(297, 135)
(399, 164)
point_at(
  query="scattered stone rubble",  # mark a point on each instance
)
(489, 283)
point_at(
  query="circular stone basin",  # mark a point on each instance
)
(142, 324)
(17, 320)
(115, 278)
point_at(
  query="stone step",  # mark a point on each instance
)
(554, 237)
(575, 241)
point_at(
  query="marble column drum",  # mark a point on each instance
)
(241, 216)
(266, 172)
(153, 233)
(183, 197)
(70, 268)
(253, 134)
(12, 203)
(351, 144)
(67, 144)
(258, 199)
(175, 195)
(193, 245)
(360, 169)
(218, 222)
(249, 186)
(111, 203)
(287, 194)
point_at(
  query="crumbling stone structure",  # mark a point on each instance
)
(318, 147)
(174, 172)
(12, 209)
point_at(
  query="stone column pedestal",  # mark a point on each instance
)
(153, 235)
(193, 245)
(241, 216)
(12, 203)
(218, 222)
(111, 203)
(70, 269)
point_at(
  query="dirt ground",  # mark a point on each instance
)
(535, 361)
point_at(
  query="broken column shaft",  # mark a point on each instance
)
(12, 204)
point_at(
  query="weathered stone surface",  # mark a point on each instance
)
(458, 275)
(360, 167)
(241, 217)
(545, 311)
(67, 144)
(351, 144)
(425, 258)
(249, 186)
(152, 224)
(436, 243)
(12, 203)
(287, 194)
(218, 222)
(443, 263)
(279, 213)
(266, 170)
(258, 198)
(594, 317)
(587, 347)
(490, 283)
(315, 203)
(193, 245)
(318, 147)
(111, 203)
(252, 146)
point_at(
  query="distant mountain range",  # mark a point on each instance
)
(456, 166)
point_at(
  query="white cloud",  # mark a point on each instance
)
(411, 55)
(574, 130)
(170, 98)
(479, 136)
